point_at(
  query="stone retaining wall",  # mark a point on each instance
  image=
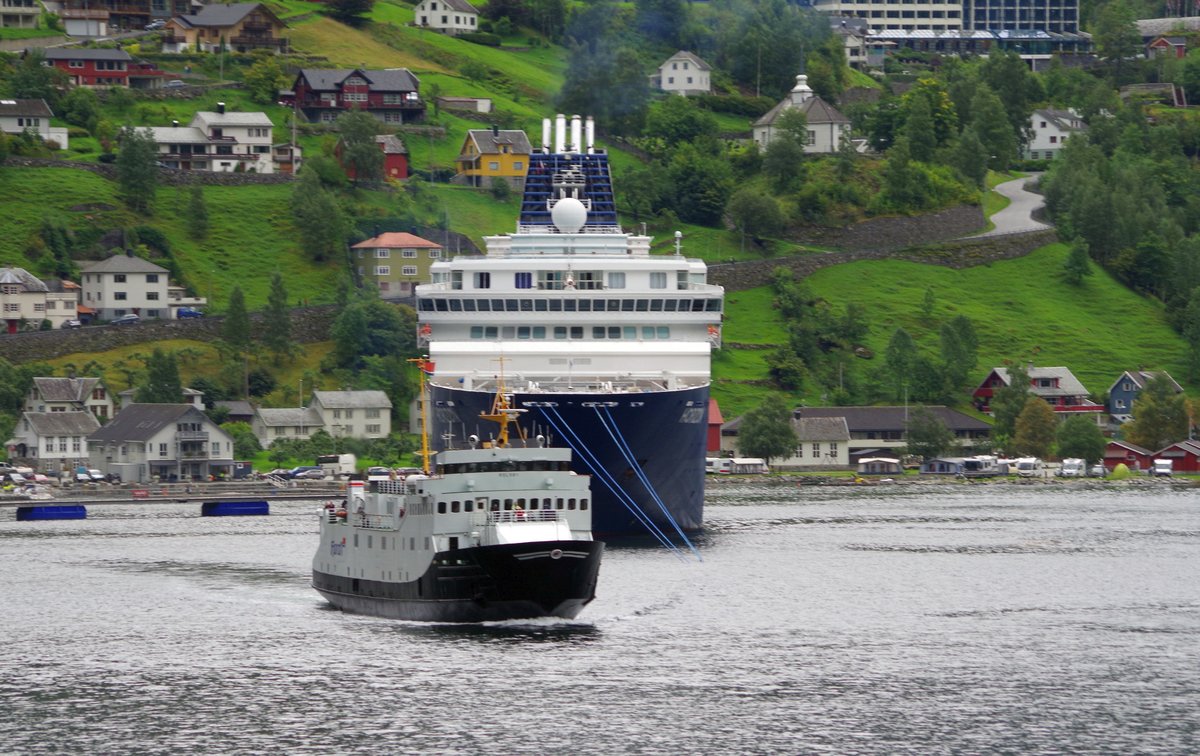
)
(167, 176)
(962, 253)
(309, 324)
(896, 232)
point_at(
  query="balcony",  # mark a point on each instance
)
(259, 41)
(185, 436)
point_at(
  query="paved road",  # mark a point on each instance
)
(1018, 216)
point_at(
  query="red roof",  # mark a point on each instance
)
(714, 412)
(394, 239)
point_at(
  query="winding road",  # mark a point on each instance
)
(1018, 216)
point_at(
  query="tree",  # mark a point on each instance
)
(1035, 429)
(927, 435)
(235, 330)
(1160, 415)
(1007, 403)
(317, 216)
(662, 21)
(360, 153)
(899, 362)
(1078, 263)
(702, 184)
(245, 443)
(991, 123)
(137, 174)
(755, 212)
(350, 12)
(1080, 437)
(162, 384)
(678, 119)
(264, 79)
(277, 319)
(1116, 36)
(957, 358)
(766, 431)
(197, 214)
(783, 164)
(81, 107)
(33, 79)
(370, 326)
(918, 129)
(1191, 334)
(970, 158)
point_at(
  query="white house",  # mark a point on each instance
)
(53, 441)
(826, 126)
(58, 395)
(20, 14)
(821, 442)
(1049, 129)
(272, 424)
(26, 299)
(17, 116)
(220, 142)
(146, 442)
(447, 16)
(347, 414)
(125, 284)
(683, 73)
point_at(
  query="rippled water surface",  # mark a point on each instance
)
(910, 619)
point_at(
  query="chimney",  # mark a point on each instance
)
(175, 123)
(221, 108)
(495, 130)
(129, 253)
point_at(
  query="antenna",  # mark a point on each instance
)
(678, 241)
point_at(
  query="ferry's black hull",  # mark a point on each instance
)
(666, 432)
(480, 584)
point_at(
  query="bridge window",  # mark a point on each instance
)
(524, 280)
(560, 332)
(670, 304)
(483, 280)
(658, 280)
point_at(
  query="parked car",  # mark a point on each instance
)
(129, 319)
(1098, 470)
(307, 472)
(73, 323)
(155, 25)
(379, 473)
(1072, 467)
(96, 475)
(188, 312)
(175, 84)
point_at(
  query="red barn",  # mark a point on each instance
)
(395, 157)
(1133, 456)
(1184, 456)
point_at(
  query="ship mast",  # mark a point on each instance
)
(424, 365)
(502, 412)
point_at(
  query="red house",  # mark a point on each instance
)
(395, 157)
(391, 95)
(1184, 456)
(103, 68)
(1131, 455)
(1057, 385)
(715, 421)
(1167, 47)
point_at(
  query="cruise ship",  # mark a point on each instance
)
(605, 347)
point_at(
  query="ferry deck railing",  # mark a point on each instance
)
(522, 515)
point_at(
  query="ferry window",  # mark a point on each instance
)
(524, 280)
(510, 305)
(647, 332)
(507, 332)
(568, 305)
(440, 305)
(614, 305)
(370, 542)
(526, 305)
(520, 503)
(714, 305)
(356, 540)
(412, 544)
(441, 507)
(697, 305)
(523, 332)
(560, 332)
(468, 506)
(570, 503)
(490, 332)
(658, 280)
(614, 332)
(670, 305)
(616, 280)
(664, 332)
(483, 280)
(540, 305)
(558, 504)
(507, 505)
(627, 305)
(455, 506)
(426, 305)
(643, 305)
(469, 305)
(533, 503)
(577, 332)
(539, 332)
(556, 305)
(598, 332)
(681, 280)
(485, 305)
(629, 332)
(585, 305)
(495, 505)
(477, 332)
(656, 305)
(583, 503)
(497, 305)
(456, 305)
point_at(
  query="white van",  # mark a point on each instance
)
(1162, 468)
(1073, 467)
(1029, 467)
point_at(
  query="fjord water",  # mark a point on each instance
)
(881, 619)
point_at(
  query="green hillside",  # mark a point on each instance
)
(1020, 308)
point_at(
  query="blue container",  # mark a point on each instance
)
(234, 508)
(60, 512)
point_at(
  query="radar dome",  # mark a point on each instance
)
(568, 215)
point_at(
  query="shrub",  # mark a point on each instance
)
(78, 132)
(108, 157)
(481, 38)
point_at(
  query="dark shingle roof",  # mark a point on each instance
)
(76, 53)
(691, 57)
(140, 422)
(859, 419)
(1140, 377)
(815, 110)
(65, 389)
(821, 429)
(236, 407)
(218, 14)
(352, 399)
(462, 6)
(62, 423)
(23, 278)
(489, 141)
(384, 80)
(35, 107)
(123, 264)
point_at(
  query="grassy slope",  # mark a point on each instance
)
(1020, 308)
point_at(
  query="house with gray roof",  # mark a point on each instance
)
(52, 441)
(826, 125)
(1057, 385)
(821, 442)
(125, 284)
(219, 141)
(1049, 129)
(447, 16)
(495, 153)
(65, 395)
(683, 73)
(240, 27)
(161, 442)
(341, 414)
(272, 424)
(1125, 390)
(31, 115)
(393, 95)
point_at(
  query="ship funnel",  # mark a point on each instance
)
(545, 135)
(590, 130)
(560, 132)
(576, 134)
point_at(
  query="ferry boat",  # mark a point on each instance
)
(607, 346)
(502, 532)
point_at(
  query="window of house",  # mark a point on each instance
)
(373, 429)
(382, 253)
(372, 414)
(1121, 404)
(383, 270)
(1053, 140)
(120, 296)
(493, 165)
(434, 254)
(354, 96)
(410, 253)
(75, 441)
(216, 448)
(119, 278)
(408, 270)
(816, 449)
(162, 450)
(152, 295)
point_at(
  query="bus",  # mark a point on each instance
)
(338, 465)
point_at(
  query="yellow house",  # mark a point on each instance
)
(240, 27)
(499, 153)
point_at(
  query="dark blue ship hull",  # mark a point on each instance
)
(665, 433)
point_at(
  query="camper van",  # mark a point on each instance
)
(1072, 468)
(1161, 468)
(338, 465)
(717, 464)
(736, 465)
(1029, 467)
(981, 466)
